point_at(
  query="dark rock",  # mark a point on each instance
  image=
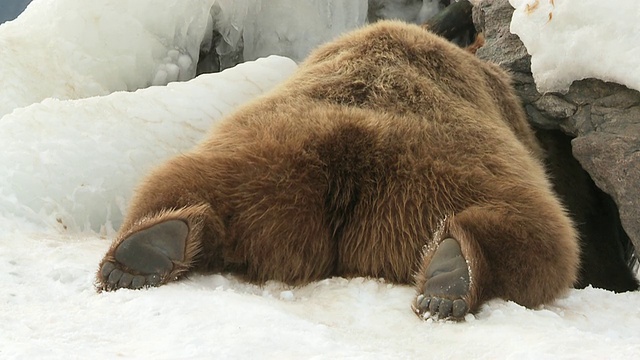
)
(584, 91)
(555, 107)
(501, 46)
(622, 99)
(526, 87)
(605, 263)
(613, 160)
(539, 120)
(218, 55)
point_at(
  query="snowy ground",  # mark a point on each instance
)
(49, 309)
(67, 169)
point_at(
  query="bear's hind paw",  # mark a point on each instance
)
(440, 308)
(446, 286)
(145, 258)
(112, 278)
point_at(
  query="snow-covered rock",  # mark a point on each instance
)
(577, 39)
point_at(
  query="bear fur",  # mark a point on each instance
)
(385, 144)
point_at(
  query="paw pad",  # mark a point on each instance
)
(146, 257)
(447, 283)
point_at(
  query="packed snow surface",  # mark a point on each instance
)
(49, 310)
(67, 169)
(576, 39)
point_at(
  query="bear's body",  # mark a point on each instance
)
(385, 144)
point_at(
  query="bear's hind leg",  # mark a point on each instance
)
(171, 228)
(157, 250)
(524, 253)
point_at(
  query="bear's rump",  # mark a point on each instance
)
(356, 195)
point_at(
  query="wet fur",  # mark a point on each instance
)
(385, 142)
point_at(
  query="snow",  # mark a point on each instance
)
(67, 169)
(576, 39)
(50, 310)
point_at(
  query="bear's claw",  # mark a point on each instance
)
(447, 283)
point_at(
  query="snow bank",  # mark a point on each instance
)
(70, 50)
(74, 163)
(575, 39)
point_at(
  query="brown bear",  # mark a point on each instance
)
(390, 153)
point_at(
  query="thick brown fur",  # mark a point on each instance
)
(382, 139)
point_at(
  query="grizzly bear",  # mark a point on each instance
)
(391, 153)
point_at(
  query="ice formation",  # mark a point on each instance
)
(67, 50)
(414, 11)
(260, 28)
(73, 164)
(98, 47)
(575, 39)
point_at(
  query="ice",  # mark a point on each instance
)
(97, 47)
(104, 46)
(414, 11)
(315, 22)
(73, 164)
(258, 26)
(575, 39)
(428, 10)
(254, 28)
(406, 10)
(287, 295)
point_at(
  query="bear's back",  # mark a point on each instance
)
(396, 68)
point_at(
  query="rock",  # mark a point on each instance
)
(613, 160)
(603, 118)
(501, 46)
(555, 107)
(605, 246)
